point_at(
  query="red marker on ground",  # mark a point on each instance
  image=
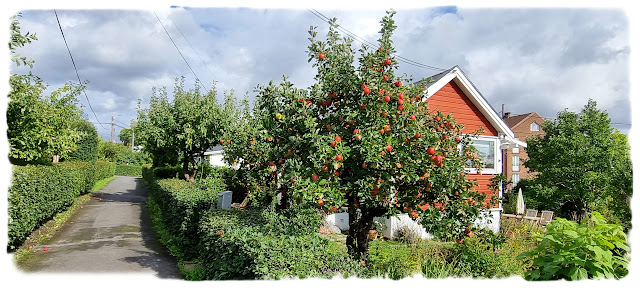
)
(46, 249)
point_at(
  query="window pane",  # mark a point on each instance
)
(515, 163)
(515, 178)
(535, 127)
(515, 150)
(486, 152)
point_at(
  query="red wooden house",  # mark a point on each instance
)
(451, 92)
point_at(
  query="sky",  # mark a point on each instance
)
(540, 60)
(544, 57)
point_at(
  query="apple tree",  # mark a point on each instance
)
(361, 137)
(183, 128)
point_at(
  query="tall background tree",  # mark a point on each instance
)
(184, 128)
(39, 127)
(359, 137)
(125, 136)
(582, 163)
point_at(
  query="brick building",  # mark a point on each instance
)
(523, 127)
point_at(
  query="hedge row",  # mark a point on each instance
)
(129, 170)
(105, 169)
(265, 244)
(182, 204)
(250, 244)
(38, 192)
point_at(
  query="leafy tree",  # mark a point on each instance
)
(87, 146)
(583, 162)
(19, 40)
(111, 151)
(39, 126)
(359, 137)
(125, 136)
(184, 128)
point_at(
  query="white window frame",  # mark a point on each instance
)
(514, 167)
(497, 159)
(515, 179)
(515, 150)
(534, 124)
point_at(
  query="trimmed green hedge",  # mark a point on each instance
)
(105, 169)
(128, 170)
(265, 244)
(182, 204)
(38, 192)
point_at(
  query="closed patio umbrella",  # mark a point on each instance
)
(520, 203)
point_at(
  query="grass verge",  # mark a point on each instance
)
(101, 183)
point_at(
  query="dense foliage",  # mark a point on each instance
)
(40, 127)
(265, 244)
(182, 129)
(581, 163)
(359, 137)
(128, 170)
(38, 192)
(593, 249)
(125, 136)
(182, 204)
(87, 147)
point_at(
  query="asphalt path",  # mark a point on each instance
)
(110, 234)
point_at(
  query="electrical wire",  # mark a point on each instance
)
(174, 44)
(194, 50)
(75, 68)
(369, 44)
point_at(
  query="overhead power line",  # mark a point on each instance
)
(194, 50)
(75, 68)
(174, 44)
(371, 45)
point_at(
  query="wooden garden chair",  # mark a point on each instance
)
(531, 213)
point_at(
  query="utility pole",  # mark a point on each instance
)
(112, 129)
(132, 136)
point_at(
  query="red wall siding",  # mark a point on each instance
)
(451, 100)
(483, 182)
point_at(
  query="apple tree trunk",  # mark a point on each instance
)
(360, 220)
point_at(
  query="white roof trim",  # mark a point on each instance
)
(476, 98)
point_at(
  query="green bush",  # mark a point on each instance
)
(128, 170)
(87, 146)
(243, 245)
(39, 192)
(182, 204)
(128, 157)
(570, 251)
(105, 169)
(166, 172)
(89, 173)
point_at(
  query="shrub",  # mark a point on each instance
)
(570, 251)
(182, 204)
(87, 146)
(166, 172)
(39, 192)
(128, 157)
(128, 170)
(89, 173)
(407, 235)
(244, 245)
(104, 169)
